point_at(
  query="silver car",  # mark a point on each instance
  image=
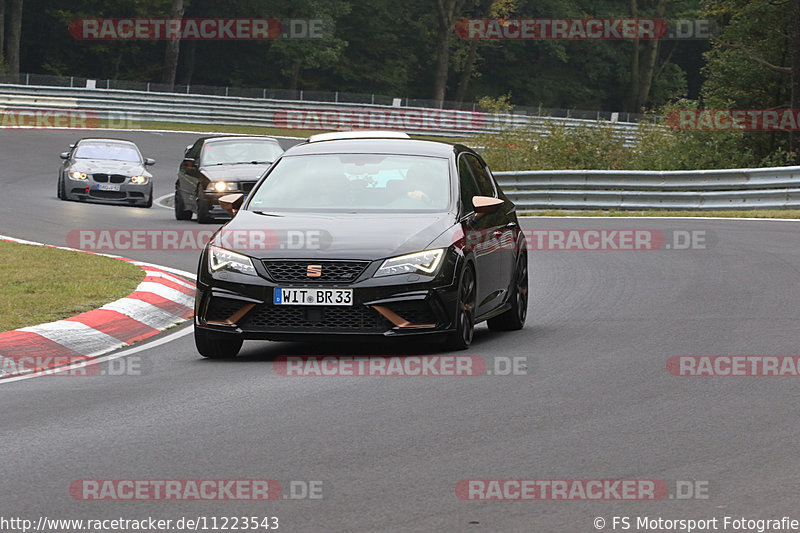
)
(107, 171)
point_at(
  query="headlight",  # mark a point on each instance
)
(426, 262)
(221, 186)
(221, 259)
(78, 175)
(139, 180)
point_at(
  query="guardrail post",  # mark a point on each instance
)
(27, 79)
(336, 97)
(301, 94)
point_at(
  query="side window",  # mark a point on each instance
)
(466, 184)
(485, 185)
(194, 151)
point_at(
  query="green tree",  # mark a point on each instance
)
(750, 63)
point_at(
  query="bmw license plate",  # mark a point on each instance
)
(107, 187)
(312, 296)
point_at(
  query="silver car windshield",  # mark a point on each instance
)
(108, 151)
(362, 182)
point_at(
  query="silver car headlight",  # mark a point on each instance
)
(78, 175)
(220, 259)
(426, 262)
(139, 180)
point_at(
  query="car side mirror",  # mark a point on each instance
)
(64, 155)
(188, 162)
(149, 162)
(485, 204)
(231, 202)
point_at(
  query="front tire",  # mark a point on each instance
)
(181, 213)
(461, 338)
(202, 209)
(62, 195)
(216, 346)
(514, 318)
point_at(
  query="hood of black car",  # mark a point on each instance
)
(339, 236)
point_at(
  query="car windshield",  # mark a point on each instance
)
(109, 151)
(235, 152)
(362, 182)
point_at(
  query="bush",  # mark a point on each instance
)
(546, 145)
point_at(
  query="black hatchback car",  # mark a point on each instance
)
(364, 235)
(216, 166)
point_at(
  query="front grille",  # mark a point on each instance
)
(416, 312)
(220, 309)
(355, 319)
(332, 271)
(105, 178)
(108, 195)
(247, 186)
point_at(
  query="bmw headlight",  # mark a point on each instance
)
(220, 259)
(222, 186)
(78, 175)
(138, 180)
(426, 262)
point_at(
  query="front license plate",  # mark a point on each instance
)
(313, 296)
(107, 187)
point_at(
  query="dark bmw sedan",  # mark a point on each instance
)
(106, 170)
(216, 166)
(368, 235)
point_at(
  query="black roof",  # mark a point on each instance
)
(381, 146)
(215, 138)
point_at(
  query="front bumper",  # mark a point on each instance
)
(212, 202)
(212, 197)
(392, 306)
(128, 193)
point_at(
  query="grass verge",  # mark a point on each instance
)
(744, 213)
(42, 284)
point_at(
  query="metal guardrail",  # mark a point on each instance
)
(761, 188)
(121, 106)
(334, 97)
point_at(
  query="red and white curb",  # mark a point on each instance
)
(162, 300)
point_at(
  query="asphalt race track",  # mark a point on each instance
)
(596, 402)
